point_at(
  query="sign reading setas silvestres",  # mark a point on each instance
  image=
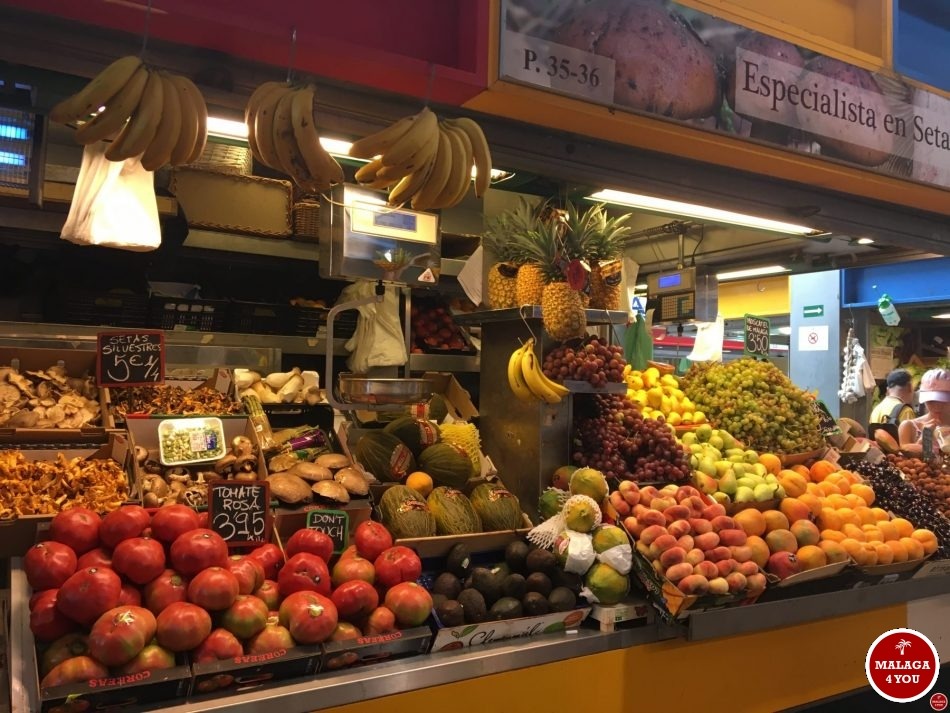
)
(664, 59)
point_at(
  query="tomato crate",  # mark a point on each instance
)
(254, 670)
(372, 649)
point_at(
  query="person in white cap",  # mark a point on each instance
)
(934, 394)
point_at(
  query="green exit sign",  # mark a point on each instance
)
(813, 311)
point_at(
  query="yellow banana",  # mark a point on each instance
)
(256, 100)
(99, 91)
(409, 151)
(264, 129)
(456, 151)
(201, 108)
(557, 388)
(480, 150)
(367, 172)
(189, 121)
(283, 132)
(516, 379)
(464, 168)
(438, 175)
(320, 164)
(117, 111)
(410, 185)
(139, 132)
(535, 379)
(382, 140)
(166, 135)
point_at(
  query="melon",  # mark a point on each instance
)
(453, 512)
(606, 537)
(446, 464)
(497, 507)
(405, 513)
(416, 433)
(385, 456)
(551, 502)
(607, 584)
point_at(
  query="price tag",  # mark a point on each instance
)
(240, 511)
(130, 358)
(826, 422)
(563, 69)
(757, 336)
(333, 523)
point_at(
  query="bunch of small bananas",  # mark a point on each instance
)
(283, 136)
(159, 116)
(526, 379)
(425, 162)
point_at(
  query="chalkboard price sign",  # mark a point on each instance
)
(240, 511)
(334, 523)
(130, 358)
(826, 422)
(756, 336)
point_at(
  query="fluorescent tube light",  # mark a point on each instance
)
(641, 286)
(662, 205)
(751, 272)
(864, 241)
(786, 331)
(945, 315)
(8, 158)
(13, 132)
(227, 128)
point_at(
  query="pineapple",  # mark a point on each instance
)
(505, 238)
(562, 308)
(600, 240)
(529, 284)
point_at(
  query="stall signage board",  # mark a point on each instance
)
(757, 336)
(239, 511)
(872, 121)
(826, 422)
(130, 358)
(333, 523)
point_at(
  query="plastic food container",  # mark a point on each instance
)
(184, 441)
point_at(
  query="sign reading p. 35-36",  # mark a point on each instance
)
(757, 336)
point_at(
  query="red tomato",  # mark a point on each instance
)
(98, 557)
(381, 621)
(88, 594)
(126, 522)
(249, 573)
(310, 617)
(152, 658)
(220, 645)
(36, 597)
(372, 539)
(312, 541)
(304, 572)
(246, 617)
(167, 588)
(269, 593)
(46, 621)
(410, 603)
(397, 564)
(204, 519)
(65, 647)
(214, 588)
(197, 550)
(130, 596)
(182, 626)
(270, 557)
(171, 521)
(49, 564)
(274, 637)
(77, 527)
(355, 599)
(77, 669)
(353, 567)
(119, 635)
(139, 559)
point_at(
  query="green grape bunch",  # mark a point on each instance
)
(756, 403)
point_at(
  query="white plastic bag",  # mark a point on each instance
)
(708, 343)
(114, 204)
(379, 339)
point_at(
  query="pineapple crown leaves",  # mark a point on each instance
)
(597, 237)
(507, 235)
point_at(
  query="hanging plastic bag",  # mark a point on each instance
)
(113, 205)
(708, 343)
(638, 343)
(379, 339)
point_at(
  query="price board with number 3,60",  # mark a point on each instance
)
(240, 511)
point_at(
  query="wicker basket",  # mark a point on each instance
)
(307, 221)
(226, 158)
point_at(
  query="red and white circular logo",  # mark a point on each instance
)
(902, 665)
(938, 702)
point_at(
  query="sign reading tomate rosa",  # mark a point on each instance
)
(664, 59)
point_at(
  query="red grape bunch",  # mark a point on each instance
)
(591, 361)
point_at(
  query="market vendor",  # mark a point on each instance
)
(934, 394)
(895, 406)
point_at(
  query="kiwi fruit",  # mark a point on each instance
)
(451, 613)
(447, 584)
(535, 604)
(515, 555)
(562, 599)
(473, 604)
(541, 561)
(539, 582)
(515, 586)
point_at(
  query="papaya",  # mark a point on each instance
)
(497, 507)
(453, 512)
(405, 513)
(886, 441)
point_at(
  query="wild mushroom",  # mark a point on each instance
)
(331, 490)
(242, 445)
(225, 466)
(152, 466)
(246, 463)
(282, 462)
(141, 455)
(333, 461)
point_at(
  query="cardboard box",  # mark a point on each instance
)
(251, 671)
(222, 380)
(117, 691)
(460, 637)
(628, 614)
(458, 401)
(372, 649)
(439, 546)
(289, 520)
(19, 534)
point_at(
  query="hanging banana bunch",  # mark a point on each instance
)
(159, 116)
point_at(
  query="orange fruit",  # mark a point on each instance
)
(926, 538)
(899, 550)
(853, 548)
(813, 503)
(771, 462)
(866, 492)
(904, 527)
(811, 557)
(880, 514)
(851, 476)
(855, 501)
(888, 530)
(872, 533)
(915, 550)
(775, 520)
(885, 555)
(420, 482)
(813, 488)
(752, 521)
(854, 532)
(829, 519)
(794, 509)
(832, 535)
(840, 482)
(806, 533)
(834, 552)
(795, 485)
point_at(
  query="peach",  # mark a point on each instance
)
(664, 542)
(732, 537)
(833, 535)
(784, 564)
(695, 504)
(719, 553)
(676, 512)
(713, 511)
(865, 492)
(726, 566)
(718, 586)
(834, 552)
(866, 515)
(848, 516)
(795, 485)
(657, 567)
(639, 509)
(811, 557)
(700, 526)
(661, 504)
(630, 492)
(885, 555)
(651, 517)
(781, 541)
(772, 463)
(760, 550)
(672, 556)
(751, 521)
(868, 554)
(880, 514)
(678, 572)
(686, 542)
(854, 532)
(723, 522)
(678, 528)
(794, 509)
(813, 503)
(694, 584)
(686, 491)
(805, 532)
(899, 550)
(872, 533)
(706, 541)
(669, 490)
(915, 549)
(695, 556)
(619, 504)
(775, 520)
(647, 494)
(927, 539)
(748, 568)
(644, 549)
(631, 525)
(755, 583)
(651, 533)
(737, 581)
(888, 530)
(741, 553)
(707, 569)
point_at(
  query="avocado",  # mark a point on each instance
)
(473, 606)
(451, 613)
(489, 582)
(541, 561)
(562, 599)
(458, 561)
(506, 608)
(539, 582)
(560, 578)
(535, 604)
(438, 599)
(447, 584)
(515, 586)
(515, 555)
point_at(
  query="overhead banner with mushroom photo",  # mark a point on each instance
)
(664, 59)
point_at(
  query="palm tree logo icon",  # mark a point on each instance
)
(901, 645)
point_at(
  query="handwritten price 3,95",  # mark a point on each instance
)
(561, 67)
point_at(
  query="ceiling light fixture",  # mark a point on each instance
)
(237, 130)
(785, 331)
(864, 241)
(701, 212)
(751, 272)
(945, 315)
(641, 286)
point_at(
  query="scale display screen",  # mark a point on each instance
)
(665, 281)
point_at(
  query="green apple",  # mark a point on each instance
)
(744, 495)
(704, 432)
(763, 492)
(728, 484)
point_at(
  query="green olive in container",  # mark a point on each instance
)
(185, 441)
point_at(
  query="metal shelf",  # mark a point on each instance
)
(594, 316)
(443, 362)
(585, 387)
